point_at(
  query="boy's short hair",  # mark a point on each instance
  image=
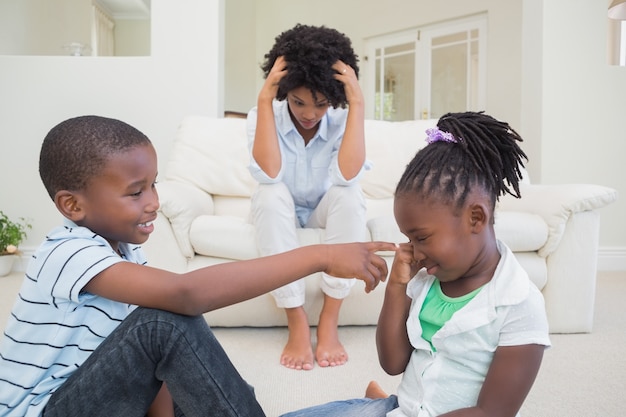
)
(76, 150)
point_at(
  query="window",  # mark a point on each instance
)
(427, 71)
(616, 42)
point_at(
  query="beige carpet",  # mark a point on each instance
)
(583, 375)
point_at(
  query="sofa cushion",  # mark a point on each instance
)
(227, 237)
(181, 203)
(522, 232)
(556, 204)
(212, 154)
(390, 146)
(232, 237)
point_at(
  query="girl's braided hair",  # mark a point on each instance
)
(310, 52)
(482, 152)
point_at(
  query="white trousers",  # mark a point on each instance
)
(341, 212)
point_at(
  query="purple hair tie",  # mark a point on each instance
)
(436, 135)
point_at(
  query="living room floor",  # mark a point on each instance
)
(583, 375)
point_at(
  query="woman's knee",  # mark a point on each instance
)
(348, 196)
(346, 203)
(271, 195)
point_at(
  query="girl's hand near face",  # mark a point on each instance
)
(270, 87)
(404, 266)
(392, 340)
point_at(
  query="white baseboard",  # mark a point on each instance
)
(612, 259)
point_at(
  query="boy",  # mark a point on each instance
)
(76, 343)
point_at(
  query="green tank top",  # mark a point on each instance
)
(438, 308)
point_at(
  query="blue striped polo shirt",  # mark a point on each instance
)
(54, 325)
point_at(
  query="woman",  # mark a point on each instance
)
(307, 153)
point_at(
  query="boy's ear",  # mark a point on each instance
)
(69, 205)
(479, 217)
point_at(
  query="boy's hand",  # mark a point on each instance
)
(404, 266)
(359, 260)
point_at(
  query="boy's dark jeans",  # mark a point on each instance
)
(123, 375)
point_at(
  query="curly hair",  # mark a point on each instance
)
(485, 153)
(76, 150)
(310, 52)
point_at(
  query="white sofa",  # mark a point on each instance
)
(205, 199)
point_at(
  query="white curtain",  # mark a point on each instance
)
(102, 33)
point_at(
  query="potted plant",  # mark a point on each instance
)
(12, 233)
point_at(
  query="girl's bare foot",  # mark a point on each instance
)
(297, 353)
(374, 391)
(329, 350)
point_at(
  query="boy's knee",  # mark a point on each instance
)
(144, 315)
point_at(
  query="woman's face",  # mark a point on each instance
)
(306, 111)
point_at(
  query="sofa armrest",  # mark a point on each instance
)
(181, 203)
(556, 204)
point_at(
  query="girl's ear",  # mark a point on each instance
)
(69, 205)
(479, 217)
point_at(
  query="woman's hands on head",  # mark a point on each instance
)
(270, 87)
(347, 75)
(344, 73)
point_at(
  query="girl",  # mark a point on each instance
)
(461, 319)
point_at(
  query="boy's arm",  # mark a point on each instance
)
(392, 340)
(508, 382)
(220, 285)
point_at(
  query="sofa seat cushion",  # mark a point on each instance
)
(521, 231)
(231, 237)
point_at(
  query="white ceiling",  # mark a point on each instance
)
(126, 9)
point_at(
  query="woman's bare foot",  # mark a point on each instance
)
(297, 353)
(329, 350)
(375, 391)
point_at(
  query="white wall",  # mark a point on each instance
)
(583, 134)
(547, 76)
(183, 76)
(132, 37)
(570, 107)
(242, 62)
(57, 23)
(359, 23)
(504, 51)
